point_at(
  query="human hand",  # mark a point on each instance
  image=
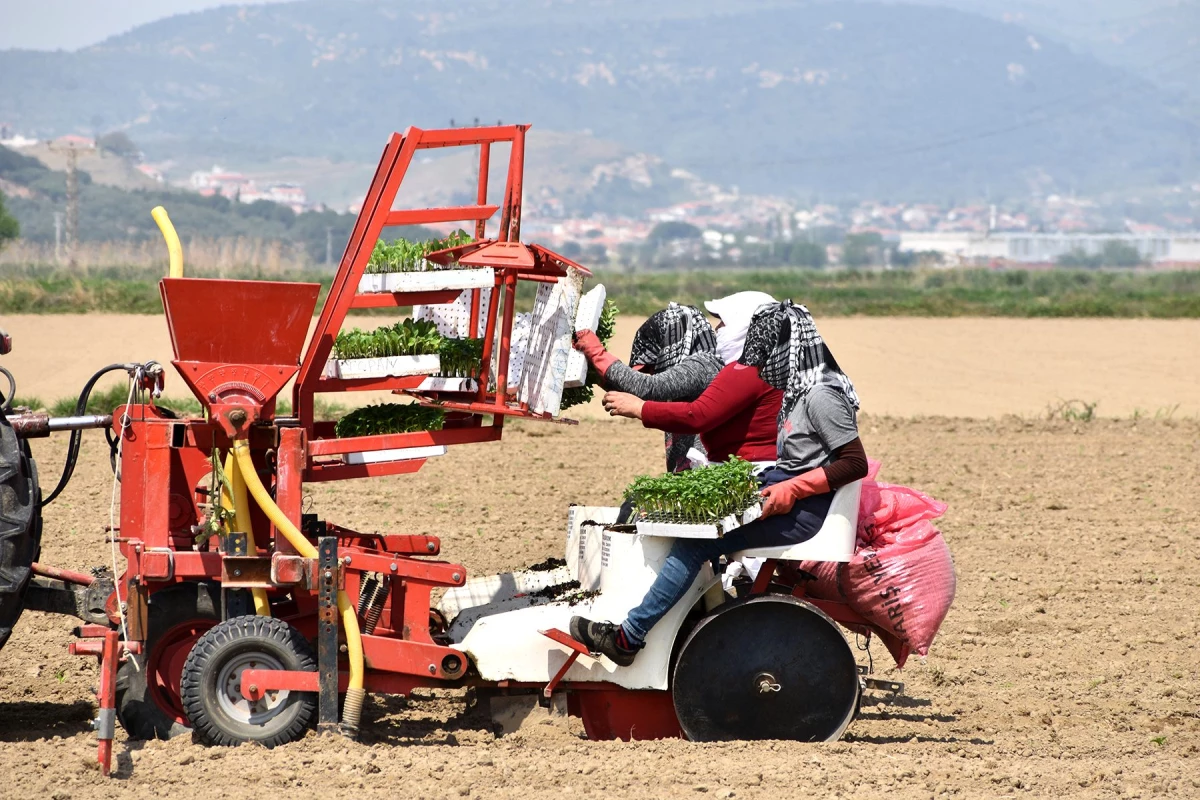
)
(780, 497)
(623, 404)
(588, 343)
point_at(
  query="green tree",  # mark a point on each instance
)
(119, 144)
(1078, 258)
(1120, 254)
(666, 231)
(859, 249)
(9, 229)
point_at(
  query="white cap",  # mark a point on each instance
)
(745, 302)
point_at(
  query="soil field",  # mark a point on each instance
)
(901, 366)
(1069, 665)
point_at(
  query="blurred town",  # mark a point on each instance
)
(723, 227)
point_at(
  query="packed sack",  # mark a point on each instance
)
(905, 586)
(901, 577)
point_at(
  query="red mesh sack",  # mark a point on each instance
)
(905, 586)
(884, 511)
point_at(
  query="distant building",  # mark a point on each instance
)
(236, 186)
(965, 247)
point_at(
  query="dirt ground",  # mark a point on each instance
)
(902, 366)
(1068, 666)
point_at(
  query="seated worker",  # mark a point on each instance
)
(674, 358)
(736, 414)
(819, 451)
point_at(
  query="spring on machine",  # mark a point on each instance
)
(372, 596)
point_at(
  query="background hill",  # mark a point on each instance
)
(835, 99)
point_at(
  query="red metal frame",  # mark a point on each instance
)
(236, 343)
(511, 260)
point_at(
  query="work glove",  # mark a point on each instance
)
(780, 497)
(588, 343)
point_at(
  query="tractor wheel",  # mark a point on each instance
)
(212, 683)
(765, 668)
(20, 524)
(148, 695)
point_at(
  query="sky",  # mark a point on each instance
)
(71, 24)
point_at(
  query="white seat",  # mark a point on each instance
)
(835, 540)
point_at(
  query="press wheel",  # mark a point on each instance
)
(212, 691)
(769, 667)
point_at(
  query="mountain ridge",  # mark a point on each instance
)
(837, 99)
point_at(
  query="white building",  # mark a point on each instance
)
(1046, 248)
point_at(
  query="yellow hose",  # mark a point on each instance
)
(354, 646)
(174, 248)
(240, 505)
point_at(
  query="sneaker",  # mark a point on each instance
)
(601, 637)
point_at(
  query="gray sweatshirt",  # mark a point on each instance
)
(681, 383)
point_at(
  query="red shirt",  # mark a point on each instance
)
(736, 415)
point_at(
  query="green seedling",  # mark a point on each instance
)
(389, 418)
(402, 255)
(701, 496)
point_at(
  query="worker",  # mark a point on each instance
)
(818, 452)
(673, 358)
(736, 414)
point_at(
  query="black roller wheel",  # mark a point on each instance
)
(212, 683)
(149, 705)
(20, 524)
(765, 668)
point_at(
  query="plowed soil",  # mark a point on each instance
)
(902, 366)
(1068, 666)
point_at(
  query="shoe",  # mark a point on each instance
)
(601, 637)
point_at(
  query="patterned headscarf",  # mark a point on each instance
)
(783, 342)
(670, 336)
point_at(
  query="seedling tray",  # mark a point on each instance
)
(427, 280)
(386, 367)
(401, 454)
(691, 530)
(438, 384)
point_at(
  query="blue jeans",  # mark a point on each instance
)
(689, 555)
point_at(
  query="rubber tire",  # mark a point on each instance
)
(20, 524)
(139, 713)
(713, 680)
(236, 637)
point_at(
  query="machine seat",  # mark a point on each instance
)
(835, 540)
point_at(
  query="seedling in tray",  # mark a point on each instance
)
(402, 255)
(389, 418)
(705, 496)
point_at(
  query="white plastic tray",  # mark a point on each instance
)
(400, 454)
(428, 280)
(680, 530)
(436, 384)
(390, 366)
(591, 305)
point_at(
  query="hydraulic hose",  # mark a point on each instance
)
(239, 504)
(174, 248)
(77, 435)
(352, 710)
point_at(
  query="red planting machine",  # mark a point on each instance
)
(242, 617)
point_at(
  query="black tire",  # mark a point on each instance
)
(770, 667)
(149, 702)
(20, 524)
(211, 680)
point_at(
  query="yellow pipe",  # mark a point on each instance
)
(354, 646)
(240, 505)
(174, 248)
